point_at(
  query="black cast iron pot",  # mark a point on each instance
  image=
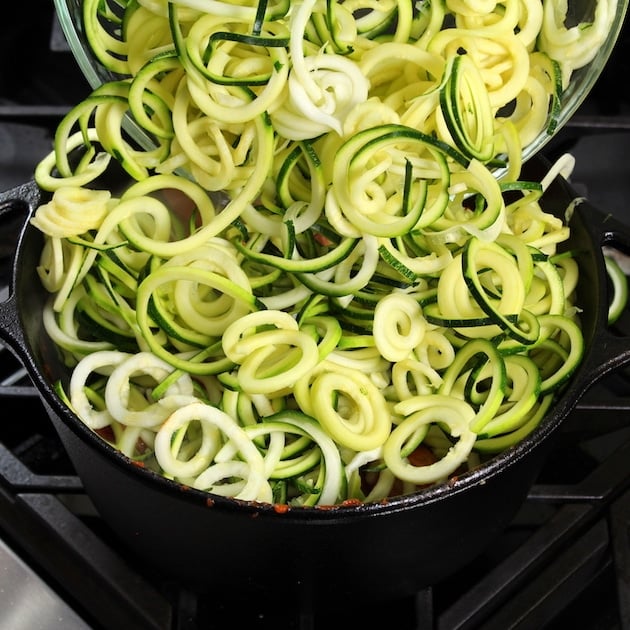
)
(255, 552)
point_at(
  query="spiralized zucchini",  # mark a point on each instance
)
(315, 288)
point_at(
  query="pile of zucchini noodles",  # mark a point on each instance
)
(315, 289)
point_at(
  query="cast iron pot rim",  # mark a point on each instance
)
(480, 475)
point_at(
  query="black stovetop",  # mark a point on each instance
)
(563, 561)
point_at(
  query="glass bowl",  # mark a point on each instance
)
(582, 79)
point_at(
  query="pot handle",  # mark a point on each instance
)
(610, 345)
(16, 206)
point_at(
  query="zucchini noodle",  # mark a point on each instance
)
(251, 469)
(321, 89)
(119, 393)
(49, 174)
(72, 211)
(315, 287)
(270, 360)
(575, 45)
(345, 402)
(77, 390)
(398, 326)
(419, 413)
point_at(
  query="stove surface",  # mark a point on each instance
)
(27, 602)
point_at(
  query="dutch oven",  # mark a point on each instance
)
(262, 553)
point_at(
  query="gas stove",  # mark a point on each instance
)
(563, 561)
